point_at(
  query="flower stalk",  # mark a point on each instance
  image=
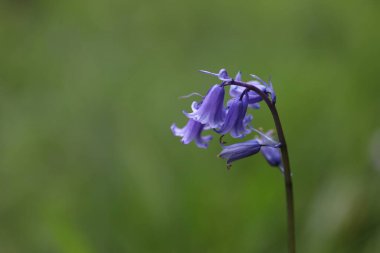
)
(285, 159)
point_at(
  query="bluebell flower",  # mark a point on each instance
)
(268, 87)
(240, 150)
(272, 155)
(270, 149)
(192, 132)
(253, 97)
(211, 110)
(236, 120)
(222, 75)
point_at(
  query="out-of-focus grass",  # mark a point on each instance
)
(88, 90)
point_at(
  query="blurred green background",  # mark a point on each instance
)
(89, 89)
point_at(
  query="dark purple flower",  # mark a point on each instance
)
(236, 122)
(222, 75)
(240, 150)
(192, 131)
(211, 110)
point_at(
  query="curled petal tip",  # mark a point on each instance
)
(192, 132)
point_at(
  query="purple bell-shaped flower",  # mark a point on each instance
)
(270, 149)
(253, 97)
(236, 122)
(192, 132)
(240, 150)
(211, 110)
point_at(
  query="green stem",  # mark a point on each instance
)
(285, 161)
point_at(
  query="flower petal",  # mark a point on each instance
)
(202, 141)
(177, 131)
(192, 131)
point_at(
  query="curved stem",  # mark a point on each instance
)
(288, 181)
(285, 161)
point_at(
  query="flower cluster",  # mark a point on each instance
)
(211, 112)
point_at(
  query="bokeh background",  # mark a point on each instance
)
(88, 90)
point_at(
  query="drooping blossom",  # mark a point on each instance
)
(253, 97)
(240, 150)
(192, 132)
(268, 87)
(272, 155)
(211, 110)
(236, 120)
(270, 149)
